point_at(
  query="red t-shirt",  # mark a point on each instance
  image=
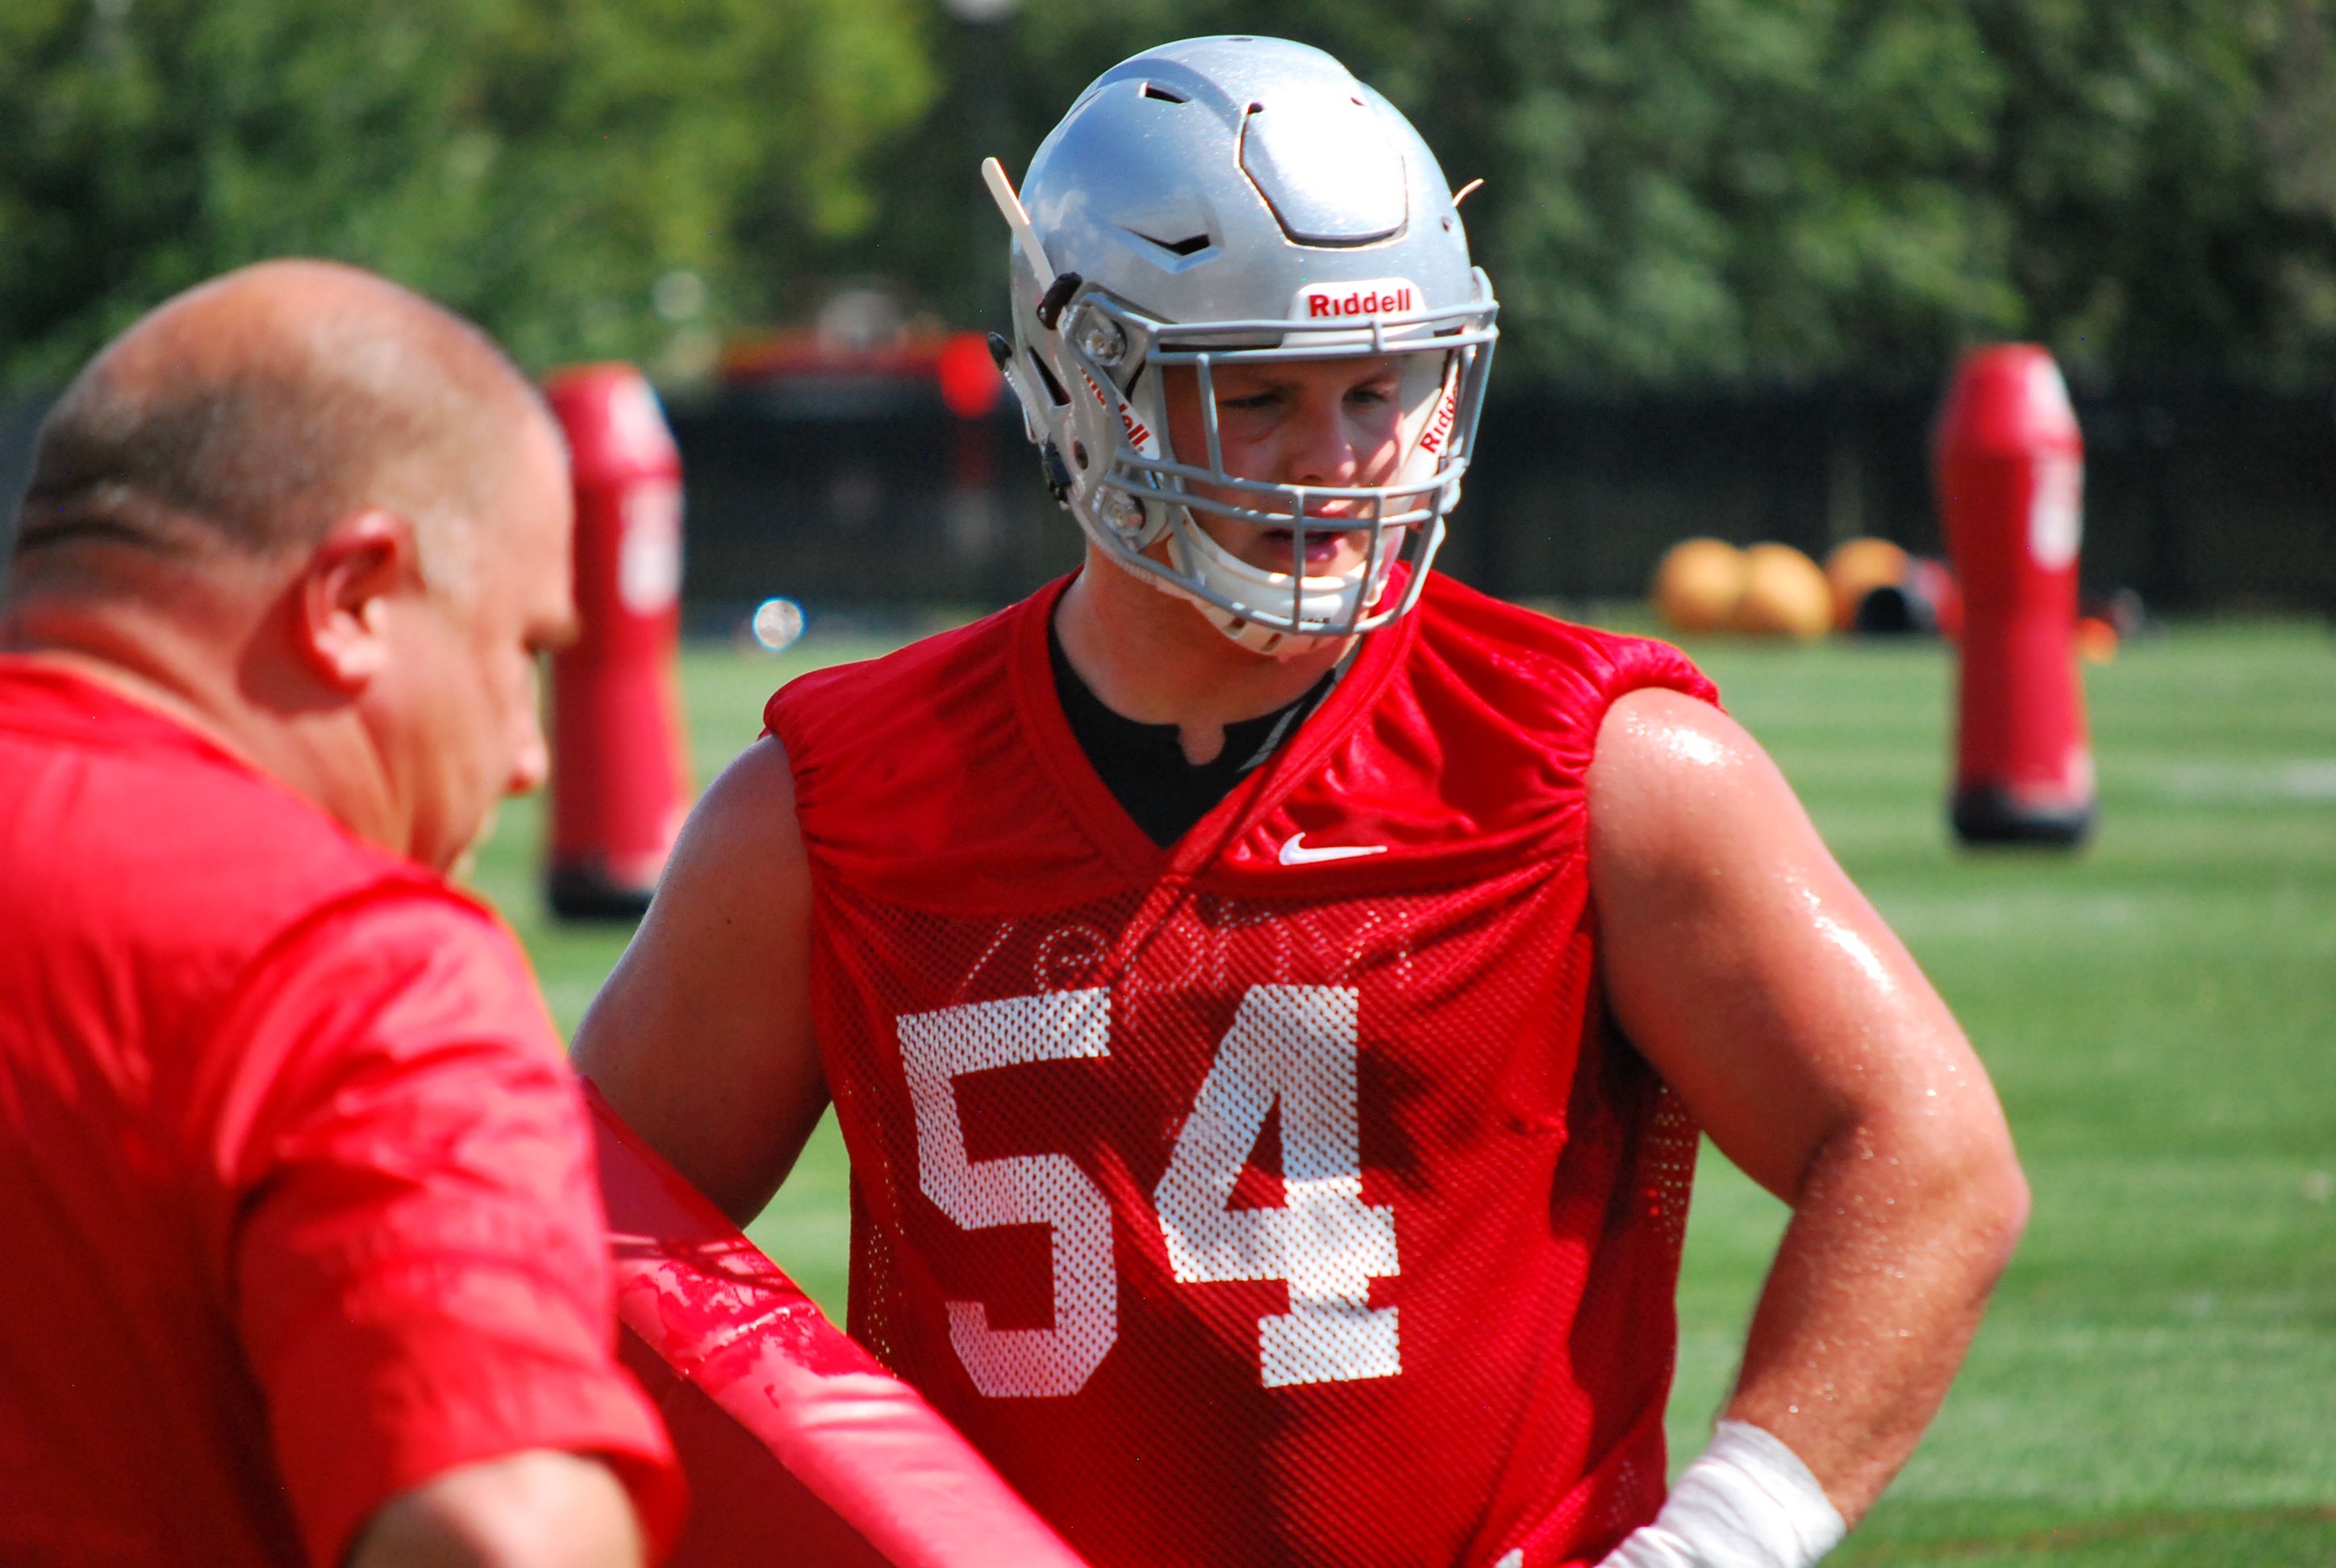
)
(1283, 1196)
(295, 1190)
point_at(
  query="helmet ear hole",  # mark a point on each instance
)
(1055, 393)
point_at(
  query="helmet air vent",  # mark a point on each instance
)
(1055, 393)
(1191, 245)
(1154, 90)
(1326, 167)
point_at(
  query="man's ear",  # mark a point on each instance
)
(343, 594)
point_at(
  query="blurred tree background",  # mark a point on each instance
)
(585, 177)
(1678, 191)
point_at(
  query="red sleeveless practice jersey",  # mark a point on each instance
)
(1282, 1196)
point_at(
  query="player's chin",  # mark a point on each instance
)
(453, 849)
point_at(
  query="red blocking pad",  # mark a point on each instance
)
(790, 1433)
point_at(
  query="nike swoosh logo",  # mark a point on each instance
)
(1294, 852)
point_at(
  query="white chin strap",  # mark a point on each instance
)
(1329, 603)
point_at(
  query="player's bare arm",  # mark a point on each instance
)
(1743, 964)
(702, 1039)
(537, 1509)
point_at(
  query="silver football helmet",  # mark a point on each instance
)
(1237, 200)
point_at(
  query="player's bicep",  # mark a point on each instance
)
(702, 1037)
(1741, 960)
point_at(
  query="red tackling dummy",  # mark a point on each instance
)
(788, 1431)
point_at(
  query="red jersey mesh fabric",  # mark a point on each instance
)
(1282, 1196)
(294, 1178)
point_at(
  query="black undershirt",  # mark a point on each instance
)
(1143, 765)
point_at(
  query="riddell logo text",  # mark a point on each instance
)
(1439, 424)
(1357, 299)
(1139, 435)
(1369, 302)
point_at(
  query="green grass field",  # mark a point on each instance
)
(2157, 1383)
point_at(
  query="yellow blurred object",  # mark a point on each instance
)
(1698, 583)
(1784, 595)
(2097, 641)
(1856, 567)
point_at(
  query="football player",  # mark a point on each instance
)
(1270, 992)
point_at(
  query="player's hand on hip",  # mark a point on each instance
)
(1746, 1502)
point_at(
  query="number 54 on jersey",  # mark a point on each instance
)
(1291, 1046)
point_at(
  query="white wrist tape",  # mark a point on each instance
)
(1746, 1502)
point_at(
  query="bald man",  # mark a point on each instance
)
(304, 1257)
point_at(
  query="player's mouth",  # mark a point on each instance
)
(1324, 549)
